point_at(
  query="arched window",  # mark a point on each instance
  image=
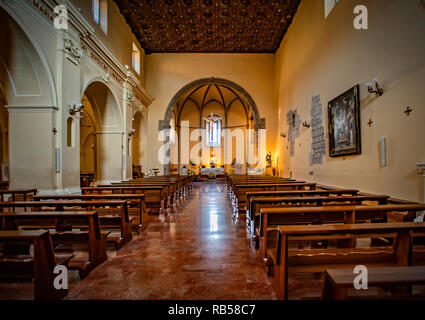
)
(136, 59)
(213, 133)
(100, 13)
(70, 132)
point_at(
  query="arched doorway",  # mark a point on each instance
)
(87, 144)
(4, 138)
(238, 116)
(27, 87)
(138, 145)
(100, 135)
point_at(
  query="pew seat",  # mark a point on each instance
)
(17, 262)
(69, 230)
(401, 253)
(113, 214)
(338, 283)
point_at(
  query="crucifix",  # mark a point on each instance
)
(211, 119)
(370, 122)
(408, 110)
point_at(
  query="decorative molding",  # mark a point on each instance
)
(16, 108)
(72, 50)
(209, 26)
(109, 132)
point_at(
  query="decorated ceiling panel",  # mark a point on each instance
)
(209, 25)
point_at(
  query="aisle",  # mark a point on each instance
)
(197, 252)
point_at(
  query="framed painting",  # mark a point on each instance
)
(344, 124)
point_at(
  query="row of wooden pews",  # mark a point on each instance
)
(328, 231)
(75, 229)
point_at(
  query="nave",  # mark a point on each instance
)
(195, 250)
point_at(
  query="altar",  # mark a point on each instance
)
(216, 171)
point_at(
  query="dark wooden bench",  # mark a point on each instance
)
(318, 260)
(136, 203)
(257, 203)
(155, 196)
(113, 214)
(270, 218)
(240, 190)
(298, 193)
(18, 193)
(17, 262)
(338, 283)
(70, 228)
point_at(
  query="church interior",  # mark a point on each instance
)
(212, 150)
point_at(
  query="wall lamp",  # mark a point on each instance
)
(373, 87)
(76, 108)
(306, 124)
(131, 132)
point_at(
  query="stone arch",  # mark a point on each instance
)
(27, 77)
(102, 108)
(139, 143)
(97, 79)
(28, 88)
(258, 122)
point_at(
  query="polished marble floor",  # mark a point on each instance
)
(195, 251)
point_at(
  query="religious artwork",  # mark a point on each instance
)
(213, 161)
(269, 159)
(344, 124)
(213, 131)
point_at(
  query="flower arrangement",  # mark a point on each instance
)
(269, 159)
(192, 162)
(211, 175)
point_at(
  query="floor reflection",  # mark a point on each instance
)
(195, 251)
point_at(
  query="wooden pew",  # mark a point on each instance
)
(240, 191)
(318, 260)
(67, 232)
(17, 264)
(339, 281)
(108, 217)
(298, 193)
(257, 203)
(17, 192)
(155, 196)
(270, 218)
(177, 186)
(137, 200)
(233, 181)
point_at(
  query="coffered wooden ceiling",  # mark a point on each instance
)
(209, 25)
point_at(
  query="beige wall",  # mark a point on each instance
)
(119, 37)
(329, 56)
(168, 73)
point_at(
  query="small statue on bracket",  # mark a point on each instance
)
(269, 159)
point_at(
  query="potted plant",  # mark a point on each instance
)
(211, 175)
